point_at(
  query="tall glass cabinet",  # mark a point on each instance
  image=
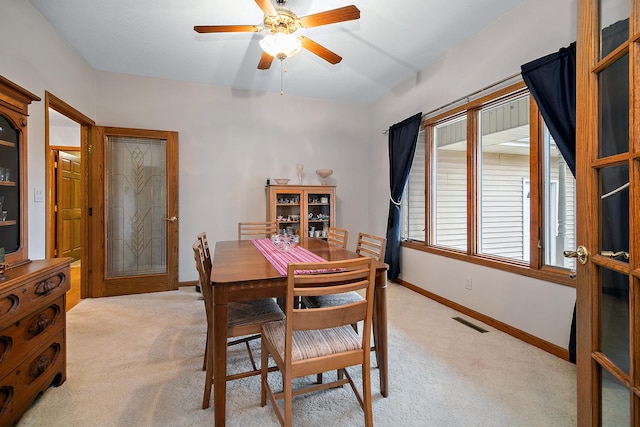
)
(14, 102)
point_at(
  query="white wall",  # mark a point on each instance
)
(529, 31)
(36, 57)
(231, 142)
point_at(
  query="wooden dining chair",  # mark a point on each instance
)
(257, 230)
(245, 320)
(338, 236)
(312, 340)
(368, 245)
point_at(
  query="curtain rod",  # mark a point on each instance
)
(506, 79)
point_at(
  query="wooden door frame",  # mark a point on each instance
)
(97, 200)
(87, 129)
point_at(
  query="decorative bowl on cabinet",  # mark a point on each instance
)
(324, 174)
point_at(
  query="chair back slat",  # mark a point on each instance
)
(371, 246)
(257, 230)
(338, 237)
(324, 290)
(329, 317)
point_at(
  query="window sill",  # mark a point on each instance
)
(549, 274)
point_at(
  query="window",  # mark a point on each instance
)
(559, 206)
(413, 200)
(503, 195)
(489, 186)
(449, 207)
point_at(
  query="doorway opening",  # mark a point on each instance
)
(67, 133)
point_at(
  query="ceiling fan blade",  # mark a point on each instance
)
(226, 28)
(332, 16)
(267, 7)
(320, 50)
(265, 61)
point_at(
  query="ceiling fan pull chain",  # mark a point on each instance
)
(282, 71)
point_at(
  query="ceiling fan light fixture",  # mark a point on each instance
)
(281, 45)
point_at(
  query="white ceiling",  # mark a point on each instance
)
(390, 43)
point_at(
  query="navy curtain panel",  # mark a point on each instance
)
(552, 83)
(402, 147)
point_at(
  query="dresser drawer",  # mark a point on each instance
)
(17, 302)
(19, 388)
(28, 333)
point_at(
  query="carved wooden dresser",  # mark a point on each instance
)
(32, 333)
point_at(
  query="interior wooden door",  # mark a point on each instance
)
(608, 185)
(134, 211)
(68, 205)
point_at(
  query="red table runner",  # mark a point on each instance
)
(280, 259)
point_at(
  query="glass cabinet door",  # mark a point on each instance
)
(319, 213)
(14, 112)
(287, 214)
(9, 187)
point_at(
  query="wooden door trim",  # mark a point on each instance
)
(87, 126)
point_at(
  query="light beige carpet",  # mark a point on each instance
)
(136, 361)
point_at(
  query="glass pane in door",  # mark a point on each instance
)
(614, 208)
(615, 401)
(614, 24)
(614, 315)
(136, 206)
(614, 108)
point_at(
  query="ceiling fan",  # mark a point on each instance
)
(281, 24)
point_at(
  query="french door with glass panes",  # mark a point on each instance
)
(608, 198)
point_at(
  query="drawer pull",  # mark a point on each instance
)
(46, 286)
(39, 324)
(39, 366)
(6, 397)
(5, 346)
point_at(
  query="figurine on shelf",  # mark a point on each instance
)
(299, 168)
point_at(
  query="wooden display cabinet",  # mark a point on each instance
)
(300, 208)
(14, 102)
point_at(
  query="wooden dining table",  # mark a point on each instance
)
(240, 272)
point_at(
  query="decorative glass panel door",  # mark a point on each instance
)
(139, 220)
(608, 183)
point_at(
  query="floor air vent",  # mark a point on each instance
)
(469, 324)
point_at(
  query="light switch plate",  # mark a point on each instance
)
(38, 195)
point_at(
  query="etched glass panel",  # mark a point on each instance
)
(136, 206)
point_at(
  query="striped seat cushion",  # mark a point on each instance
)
(312, 343)
(254, 312)
(334, 299)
